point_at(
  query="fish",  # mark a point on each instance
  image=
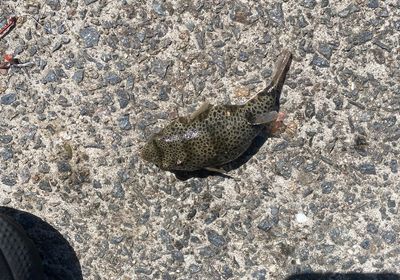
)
(215, 135)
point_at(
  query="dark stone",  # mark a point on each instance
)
(54, 4)
(218, 44)
(391, 203)
(163, 94)
(265, 224)
(56, 46)
(350, 9)
(310, 4)
(215, 238)
(365, 244)
(284, 169)
(143, 270)
(372, 228)
(124, 123)
(177, 256)
(32, 50)
(50, 77)
(397, 25)
(123, 98)
(144, 218)
(338, 100)
(44, 185)
(5, 139)
(227, 272)
(7, 154)
(44, 168)
(112, 78)
(304, 254)
(90, 36)
(200, 37)
(207, 252)
(9, 180)
(361, 38)
(367, 168)
(211, 217)
(149, 104)
(266, 38)
(61, 30)
(96, 184)
(320, 62)
(309, 110)
(259, 274)
(335, 234)
(8, 99)
(88, 2)
(394, 167)
(159, 67)
(194, 268)
(276, 14)
(349, 198)
(373, 4)
(281, 146)
(118, 191)
(266, 73)
(68, 63)
(389, 236)
(159, 8)
(63, 166)
(60, 73)
(326, 50)
(324, 3)
(240, 13)
(243, 56)
(78, 76)
(327, 187)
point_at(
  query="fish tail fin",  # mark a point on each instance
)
(267, 100)
(270, 96)
(281, 69)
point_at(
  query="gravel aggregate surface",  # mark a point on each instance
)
(322, 196)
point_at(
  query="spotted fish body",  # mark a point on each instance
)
(215, 135)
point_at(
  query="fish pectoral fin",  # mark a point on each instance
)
(213, 169)
(204, 107)
(264, 118)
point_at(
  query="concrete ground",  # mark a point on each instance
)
(323, 196)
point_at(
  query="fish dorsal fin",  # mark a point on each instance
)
(204, 107)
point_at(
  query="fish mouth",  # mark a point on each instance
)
(151, 152)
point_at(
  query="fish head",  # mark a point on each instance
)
(164, 154)
(151, 152)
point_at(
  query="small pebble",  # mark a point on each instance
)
(44, 185)
(320, 62)
(63, 166)
(265, 224)
(90, 36)
(327, 187)
(118, 191)
(124, 123)
(367, 168)
(78, 76)
(215, 238)
(8, 99)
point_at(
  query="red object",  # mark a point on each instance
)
(11, 22)
(8, 58)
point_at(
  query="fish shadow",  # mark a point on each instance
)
(344, 276)
(58, 257)
(255, 146)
